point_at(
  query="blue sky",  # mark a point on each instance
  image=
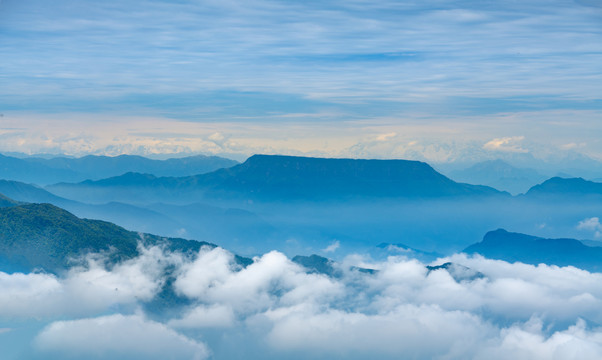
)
(328, 78)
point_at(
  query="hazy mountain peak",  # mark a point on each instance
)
(500, 175)
(566, 186)
(129, 178)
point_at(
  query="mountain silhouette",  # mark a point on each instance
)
(508, 246)
(558, 186)
(277, 177)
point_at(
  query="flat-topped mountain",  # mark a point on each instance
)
(276, 177)
(306, 177)
(508, 246)
(558, 186)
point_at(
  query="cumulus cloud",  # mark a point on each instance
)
(85, 289)
(118, 337)
(273, 308)
(506, 144)
(201, 316)
(417, 331)
(529, 341)
(591, 224)
(270, 281)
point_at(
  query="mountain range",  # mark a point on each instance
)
(46, 237)
(275, 178)
(294, 203)
(199, 220)
(500, 175)
(43, 171)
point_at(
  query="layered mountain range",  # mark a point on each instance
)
(44, 171)
(283, 178)
(299, 204)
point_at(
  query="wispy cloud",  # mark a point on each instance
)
(332, 247)
(327, 50)
(268, 62)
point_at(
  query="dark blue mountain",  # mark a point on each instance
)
(275, 177)
(302, 177)
(503, 245)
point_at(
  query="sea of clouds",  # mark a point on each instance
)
(274, 308)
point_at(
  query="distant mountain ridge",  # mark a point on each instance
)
(64, 169)
(278, 177)
(558, 186)
(500, 175)
(201, 221)
(508, 246)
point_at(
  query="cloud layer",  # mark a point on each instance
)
(273, 308)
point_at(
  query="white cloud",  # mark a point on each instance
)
(591, 224)
(506, 144)
(84, 290)
(332, 247)
(274, 309)
(206, 316)
(386, 137)
(118, 336)
(272, 279)
(529, 341)
(417, 331)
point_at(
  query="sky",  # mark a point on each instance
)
(442, 81)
